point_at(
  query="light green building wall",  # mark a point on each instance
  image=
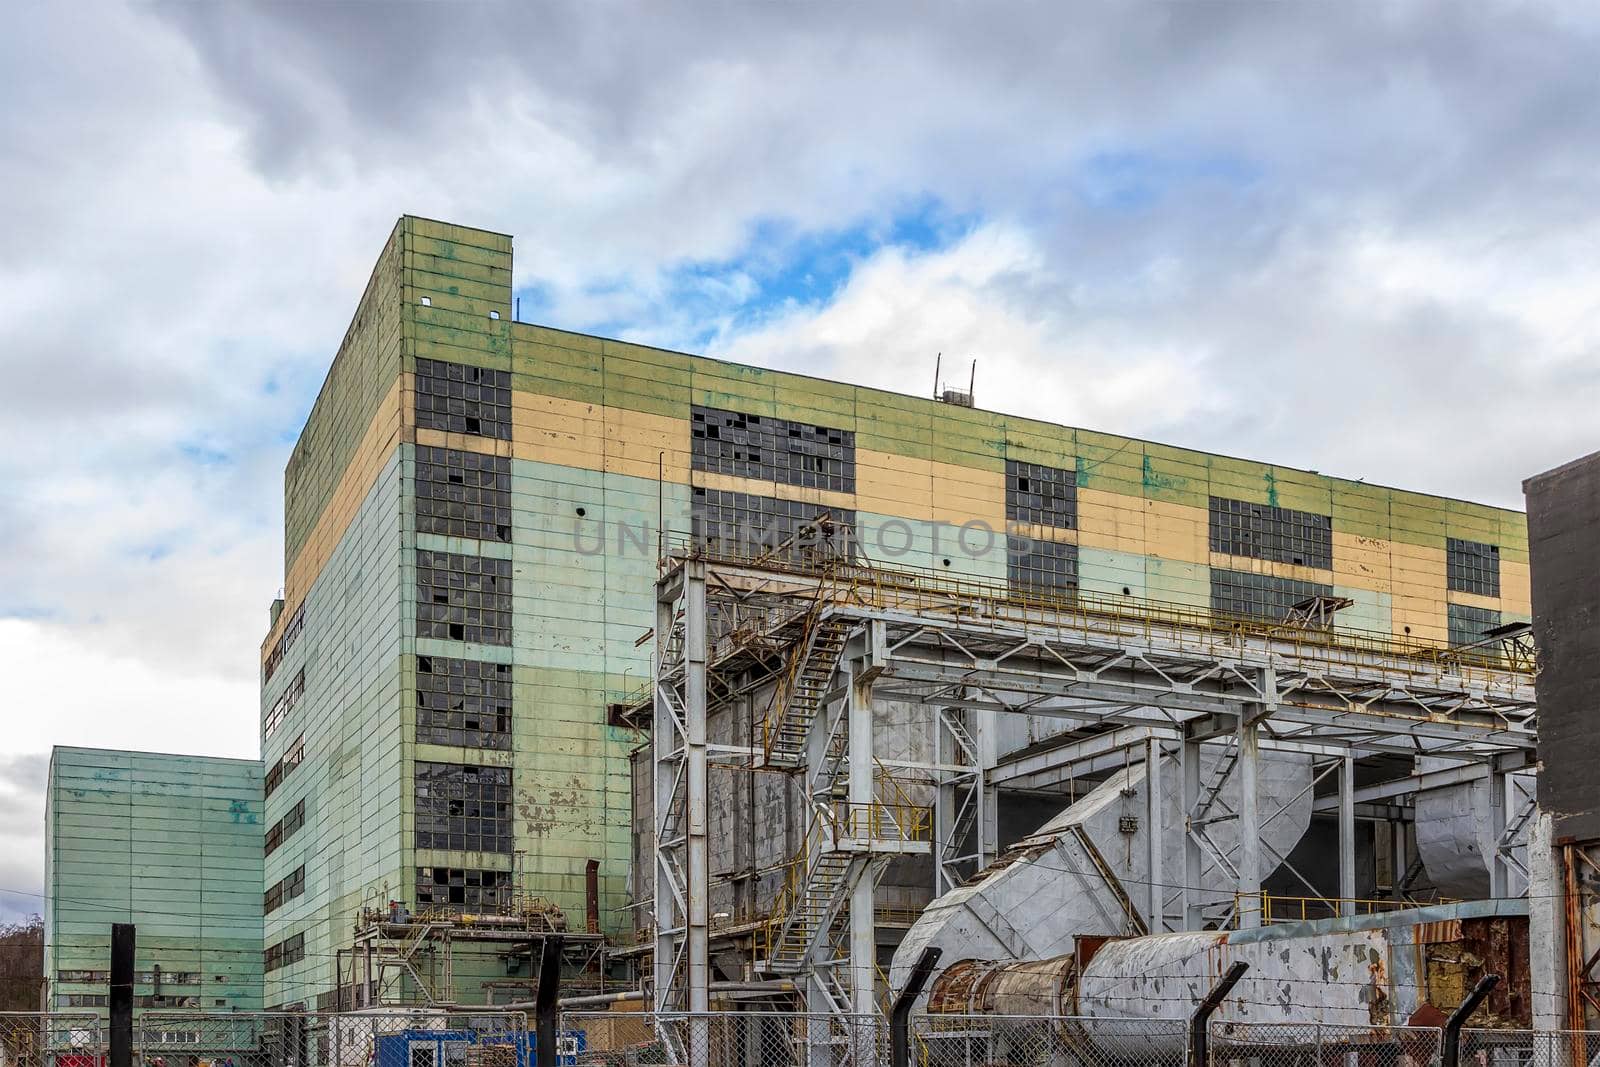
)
(169, 843)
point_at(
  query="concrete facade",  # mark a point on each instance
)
(598, 441)
(171, 844)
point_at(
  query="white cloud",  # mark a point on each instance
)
(1354, 237)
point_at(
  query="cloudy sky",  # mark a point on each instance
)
(1356, 238)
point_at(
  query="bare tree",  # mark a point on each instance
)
(21, 964)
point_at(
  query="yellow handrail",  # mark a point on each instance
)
(1283, 908)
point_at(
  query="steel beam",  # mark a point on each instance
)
(1347, 835)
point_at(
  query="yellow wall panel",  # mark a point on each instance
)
(966, 494)
(383, 435)
(1362, 562)
(1177, 531)
(781, 490)
(1475, 600)
(1111, 521)
(894, 485)
(1516, 596)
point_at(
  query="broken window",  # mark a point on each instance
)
(1047, 496)
(744, 523)
(284, 890)
(285, 703)
(463, 888)
(463, 494)
(285, 827)
(1473, 567)
(463, 807)
(463, 702)
(1469, 625)
(285, 765)
(289, 950)
(1260, 531)
(772, 449)
(1047, 567)
(459, 398)
(1259, 596)
(463, 598)
(291, 630)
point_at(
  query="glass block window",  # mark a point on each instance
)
(463, 598)
(1260, 531)
(285, 765)
(285, 703)
(284, 890)
(743, 522)
(463, 494)
(772, 449)
(463, 702)
(289, 950)
(462, 807)
(1047, 496)
(458, 398)
(1259, 596)
(1042, 566)
(1473, 567)
(286, 640)
(465, 889)
(285, 827)
(1468, 624)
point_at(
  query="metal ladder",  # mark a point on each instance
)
(805, 688)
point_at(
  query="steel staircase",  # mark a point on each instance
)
(803, 692)
(820, 881)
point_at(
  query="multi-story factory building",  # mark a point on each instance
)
(171, 844)
(473, 515)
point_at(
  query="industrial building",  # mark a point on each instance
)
(753, 685)
(172, 843)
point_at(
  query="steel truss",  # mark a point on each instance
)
(1126, 681)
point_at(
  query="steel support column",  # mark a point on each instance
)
(1189, 757)
(863, 914)
(1155, 835)
(1249, 848)
(1347, 835)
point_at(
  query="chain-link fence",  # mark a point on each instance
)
(429, 1038)
(1529, 1048)
(399, 1038)
(983, 1040)
(1236, 1044)
(42, 1039)
(748, 1039)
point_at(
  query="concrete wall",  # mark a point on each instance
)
(604, 426)
(171, 844)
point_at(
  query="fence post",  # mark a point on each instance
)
(120, 994)
(900, 1014)
(544, 1002)
(1199, 1033)
(1450, 1050)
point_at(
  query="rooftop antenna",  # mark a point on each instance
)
(952, 395)
(937, 361)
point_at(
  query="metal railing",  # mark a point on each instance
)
(920, 589)
(1280, 908)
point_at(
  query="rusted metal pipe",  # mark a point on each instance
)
(591, 885)
(1450, 1049)
(900, 1014)
(1199, 1030)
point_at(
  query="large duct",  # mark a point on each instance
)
(1456, 838)
(1086, 871)
(1366, 971)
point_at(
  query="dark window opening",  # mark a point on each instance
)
(1039, 495)
(463, 598)
(464, 808)
(469, 890)
(1260, 531)
(772, 449)
(463, 702)
(463, 494)
(1259, 596)
(1037, 566)
(458, 398)
(1472, 567)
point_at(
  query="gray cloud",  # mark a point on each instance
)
(1352, 237)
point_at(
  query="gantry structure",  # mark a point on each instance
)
(824, 634)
